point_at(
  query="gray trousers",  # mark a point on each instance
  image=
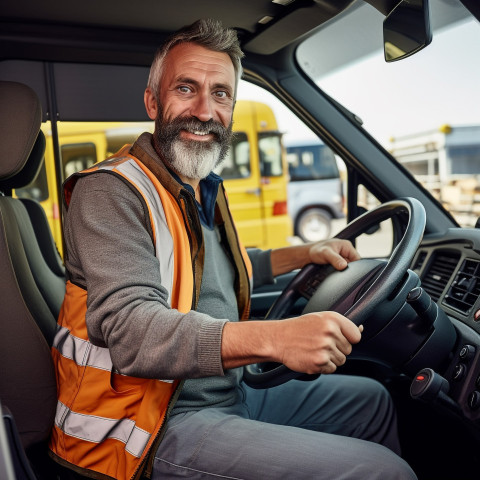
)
(336, 427)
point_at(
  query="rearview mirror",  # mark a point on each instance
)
(406, 29)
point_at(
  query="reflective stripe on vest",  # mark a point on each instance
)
(97, 429)
(76, 349)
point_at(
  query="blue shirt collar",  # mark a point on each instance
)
(208, 191)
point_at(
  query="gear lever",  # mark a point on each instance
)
(429, 386)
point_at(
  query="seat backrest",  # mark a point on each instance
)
(17, 172)
(27, 321)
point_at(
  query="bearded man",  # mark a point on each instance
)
(149, 348)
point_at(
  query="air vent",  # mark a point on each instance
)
(419, 261)
(465, 289)
(439, 272)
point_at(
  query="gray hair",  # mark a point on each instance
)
(207, 33)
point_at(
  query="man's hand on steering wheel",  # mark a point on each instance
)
(316, 342)
(313, 343)
(336, 252)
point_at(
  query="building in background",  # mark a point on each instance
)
(447, 162)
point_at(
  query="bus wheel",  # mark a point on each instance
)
(313, 225)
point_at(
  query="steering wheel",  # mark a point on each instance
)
(364, 287)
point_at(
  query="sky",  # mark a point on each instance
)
(438, 85)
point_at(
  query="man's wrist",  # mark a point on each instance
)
(244, 343)
(286, 259)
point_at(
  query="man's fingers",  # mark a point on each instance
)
(339, 358)
(335, 259)
(321, 345)
(352, 332)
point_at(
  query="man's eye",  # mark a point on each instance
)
(184, 89)
(221, 94)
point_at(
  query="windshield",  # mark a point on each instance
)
(425, 109)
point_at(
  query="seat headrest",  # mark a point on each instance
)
(31, 168)
(20, 121)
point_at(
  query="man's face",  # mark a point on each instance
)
(194, 117)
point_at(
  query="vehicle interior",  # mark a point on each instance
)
(416, 289)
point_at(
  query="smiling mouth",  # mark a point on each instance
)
(192, 134)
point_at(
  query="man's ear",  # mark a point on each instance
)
(150, 104)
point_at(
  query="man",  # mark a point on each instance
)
(149, 346)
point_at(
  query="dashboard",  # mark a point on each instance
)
(449, 268)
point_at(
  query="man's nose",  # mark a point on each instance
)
(201, 108)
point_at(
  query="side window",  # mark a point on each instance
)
(237, 161)
(270, 151)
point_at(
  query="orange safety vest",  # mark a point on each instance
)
(106, 423)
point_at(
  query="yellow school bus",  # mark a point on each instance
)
(255, 170)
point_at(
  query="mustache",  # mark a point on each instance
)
(170, 130)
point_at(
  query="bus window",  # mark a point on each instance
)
(270, 149)
(237, 161)
(311, 162)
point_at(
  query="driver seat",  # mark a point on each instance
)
(31, 293)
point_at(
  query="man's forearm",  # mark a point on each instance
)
(286, 259)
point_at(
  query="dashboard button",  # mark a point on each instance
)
(467, 352)
(459, 372)
(474, 400)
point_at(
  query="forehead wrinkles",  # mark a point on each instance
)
(187, 61)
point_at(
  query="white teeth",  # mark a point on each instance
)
(200, 133)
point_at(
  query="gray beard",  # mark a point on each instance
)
(191, 159)
(194, 160)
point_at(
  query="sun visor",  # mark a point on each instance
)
(280, 32)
